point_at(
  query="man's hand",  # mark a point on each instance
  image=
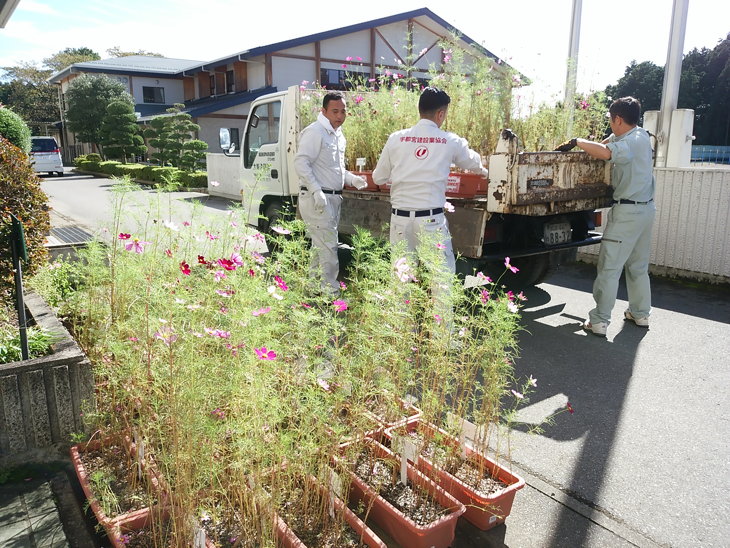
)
(567, 145)
(320, 201)
(359, 182)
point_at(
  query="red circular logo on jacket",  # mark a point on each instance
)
(421, 153)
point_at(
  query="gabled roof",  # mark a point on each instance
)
(140, 65)
(278, 46)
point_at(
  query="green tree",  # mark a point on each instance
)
(116, 51)
(14, 129)
(120, 135)
(171, 134)
(640, 80)
(69, 56)
(88, 97)
(35, 103)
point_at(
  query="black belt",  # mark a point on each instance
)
(418, 213)
(325, 190)
(632, 202)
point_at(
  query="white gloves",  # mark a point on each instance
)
(359, 182)
(320, 201)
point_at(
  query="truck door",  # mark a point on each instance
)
(262, 160)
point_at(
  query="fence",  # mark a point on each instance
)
(691, 236)
(710, 154)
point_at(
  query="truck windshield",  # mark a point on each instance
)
(262, 129)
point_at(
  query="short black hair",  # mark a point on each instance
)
(332, 96)
(431, 100)
(629, 108)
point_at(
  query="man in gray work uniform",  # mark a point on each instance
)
(626, 242)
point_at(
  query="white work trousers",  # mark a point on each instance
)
(626, 245)
(411, 228)
(322, 229)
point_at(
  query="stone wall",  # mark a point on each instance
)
(42, 399)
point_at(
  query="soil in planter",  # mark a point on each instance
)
(227, 531)
(111, 468)
(313, 530)
(159, 534)
(387, 411)
(469, 471)
(414, 502)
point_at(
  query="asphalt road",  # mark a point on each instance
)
(643, 461)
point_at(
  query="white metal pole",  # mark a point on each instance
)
(572, 69)
(672, 74)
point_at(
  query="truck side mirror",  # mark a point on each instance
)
(224, 138)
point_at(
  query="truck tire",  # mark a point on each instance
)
(273, 215)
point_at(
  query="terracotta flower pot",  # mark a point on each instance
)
(111, 524)
(484, 511)
(406, 532)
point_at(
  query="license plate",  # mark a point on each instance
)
(557, 233)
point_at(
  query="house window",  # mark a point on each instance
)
(212, 84)
(153, 94)
(340, 79)
(230, 82)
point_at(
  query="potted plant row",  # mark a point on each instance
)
(486, 488)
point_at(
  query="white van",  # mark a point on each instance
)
(46, 155)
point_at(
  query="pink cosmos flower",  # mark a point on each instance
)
(344, 65)
(264, 353)
(218, 333)
(260, 311)
(305, 305)
(532, 381)
(403, 270)
(185, 268)
(584, 105)
(133, 339)
(227, 264)
(484, 278)
(512, 307)
(168, 252)
(521, 296)
(281, 284)
(358, 99)
(438, 319)
(211, 236)
(358, 58)
(439, 245)
(251, 272)
(225, 292)
(218, 413)
(340, 306)
(236, 259)
(218, 275)
(517, 395)
(280, 230)
(272, 291)
(186, 223)
(166, 334)
(136, 245)
(514, 269)
(260, 259)
(484, 296)
(348, 58)
(201, 260)
(343, 286)
(570, 408)
(510, 296)
(124, 236)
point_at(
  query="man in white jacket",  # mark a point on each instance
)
(417, 161)
(320, 164)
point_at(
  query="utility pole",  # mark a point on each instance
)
(572, 71)
(672, 74)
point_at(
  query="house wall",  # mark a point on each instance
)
(288, 71)
(257, 74)
(174, 89)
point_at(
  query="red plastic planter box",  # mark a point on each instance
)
(483, 511)
(406, 532)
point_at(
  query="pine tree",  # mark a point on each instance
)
(120, 134)
(171, 134)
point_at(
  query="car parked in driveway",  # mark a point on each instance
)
(45, 155)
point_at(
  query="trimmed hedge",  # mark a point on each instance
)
(140, 172)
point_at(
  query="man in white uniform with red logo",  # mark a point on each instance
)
(320, 164)
(417, 161)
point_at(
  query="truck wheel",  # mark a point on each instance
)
(272, 217)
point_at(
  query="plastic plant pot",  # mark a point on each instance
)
(484, 511)
(406, 532)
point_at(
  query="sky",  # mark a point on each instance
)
(531, 35)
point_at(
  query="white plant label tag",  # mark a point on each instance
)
(335, 483)
(408, 452)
